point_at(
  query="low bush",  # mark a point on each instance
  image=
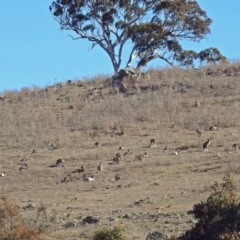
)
(219, 216)
(116, 233)
(12, 226)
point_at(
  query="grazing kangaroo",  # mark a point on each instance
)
(122, 148)
(120, 133)
(3, 174)
(22, 168)
(117, 177)
(165, 149)
(198, 133)
(126, 153)
(88, 179)
(213, 128)
(176, 152)
(116, 159)
(235, 147)
(34, 151)
(138, 158)
(206, 145)
(66, 179)
(153, 142)
(79, 170)
(59, 162)
(96, 145)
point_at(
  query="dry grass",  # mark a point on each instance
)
(65, 121)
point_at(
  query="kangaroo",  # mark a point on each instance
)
(121, 148)
(198, 133)
(59, 162)
(22, 168)
(206, 145)
(153, 142)
(138, 158)
(3, 174)
(213, 128)
(235, 147)
(79, 170)
(100, 167)
(176, 152)
(117, 177)
(116, 159)
(88, 179)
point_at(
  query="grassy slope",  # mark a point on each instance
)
(65, 122)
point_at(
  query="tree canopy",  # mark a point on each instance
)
(154, 29)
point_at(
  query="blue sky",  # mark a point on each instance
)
(34, 52)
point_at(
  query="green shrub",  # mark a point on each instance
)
(219, 216)
(116, 233)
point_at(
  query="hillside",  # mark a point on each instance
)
(64, 121)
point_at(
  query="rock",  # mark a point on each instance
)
(30, 206)
(130, 216)
(118, 77)
(72, 224)
(126, 72)
(156, 236)
(127, 216)
(122, 88)
(190, 212)
(197, 104)
(90, 219)
(117, 211)
(141, 201)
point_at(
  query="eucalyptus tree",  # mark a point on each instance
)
(152, 28)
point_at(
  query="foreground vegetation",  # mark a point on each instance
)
(12, 226)
(219, 216)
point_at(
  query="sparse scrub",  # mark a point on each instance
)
(219, 216)
(44, 219)
(12, 226)
(116, 233)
